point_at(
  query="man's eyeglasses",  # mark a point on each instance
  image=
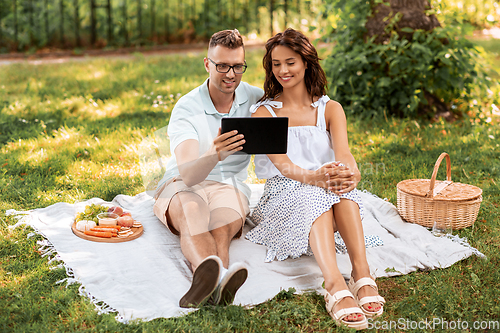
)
(223, 68)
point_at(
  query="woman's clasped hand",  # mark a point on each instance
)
(336, 177)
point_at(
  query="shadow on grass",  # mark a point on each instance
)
(38, 190)
(13, 128)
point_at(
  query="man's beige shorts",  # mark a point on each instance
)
(214, 194)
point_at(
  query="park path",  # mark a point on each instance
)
(129, 53)
(124, 53)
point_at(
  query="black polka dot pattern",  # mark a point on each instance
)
(286, 212)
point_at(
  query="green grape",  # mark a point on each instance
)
(90, 213)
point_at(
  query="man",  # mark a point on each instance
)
(202, 197)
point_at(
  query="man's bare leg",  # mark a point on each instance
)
(224, 225)
(189, 215)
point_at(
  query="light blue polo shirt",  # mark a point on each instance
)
(195, 117)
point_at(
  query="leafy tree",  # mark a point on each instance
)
(393, 57)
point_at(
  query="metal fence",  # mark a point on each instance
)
(34, 24)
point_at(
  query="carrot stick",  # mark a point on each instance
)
(99, 233)
(104, 229)
(117, 227)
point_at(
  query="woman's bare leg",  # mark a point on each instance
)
(322, 242)
(348, 222)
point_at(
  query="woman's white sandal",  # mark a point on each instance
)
(332, 300)
(354, 288)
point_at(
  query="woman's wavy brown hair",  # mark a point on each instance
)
(314, 77)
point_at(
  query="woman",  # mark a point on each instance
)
(310, 192)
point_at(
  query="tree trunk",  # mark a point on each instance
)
(61, 23)
(271, 12)
(110, 22)
(93, 23)
(125, 22)
(16, 27)
(139, 20)
(31, 22)
(77, 22)
(46, 16)
(1, 36)
(153, 22)
(413, 15)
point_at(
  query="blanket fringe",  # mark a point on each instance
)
(463, 241)
(101, 306)
(47, 249)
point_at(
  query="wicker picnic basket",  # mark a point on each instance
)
(427, 201)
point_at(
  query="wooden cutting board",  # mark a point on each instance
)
(137, 232)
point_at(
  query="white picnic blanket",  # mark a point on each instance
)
(145, 278)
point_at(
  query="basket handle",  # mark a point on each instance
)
(432, 192)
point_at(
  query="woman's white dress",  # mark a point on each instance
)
(288, 208)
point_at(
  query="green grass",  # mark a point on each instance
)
(489, 44)
(67, 133)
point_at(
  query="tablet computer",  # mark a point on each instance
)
(263, 135)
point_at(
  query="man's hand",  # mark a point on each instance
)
(227, 144)
(194, 168)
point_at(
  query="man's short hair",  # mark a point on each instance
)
(227, 38)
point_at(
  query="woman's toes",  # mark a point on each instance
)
(354, 317)
(349, 303)
(368, 291)
(372, 307)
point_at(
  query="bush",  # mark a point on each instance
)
(433, 71)
(482, 14)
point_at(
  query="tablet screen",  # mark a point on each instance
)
(266, 135)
